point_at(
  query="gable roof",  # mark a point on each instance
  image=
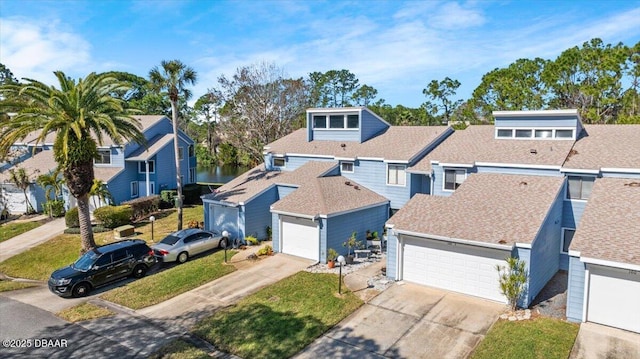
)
(610, 226)
(327, 196)
(36, 165)
(477, 143)
(494, 209)
(155, 144)
(606, 146)
(396, 143)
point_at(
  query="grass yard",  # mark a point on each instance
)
(171, 282)
(280, 320)
(12, 229)
(84, 311)
(38, 262)
(179, 349)
(540, 338)
(7, 285)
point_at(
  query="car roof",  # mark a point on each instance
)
(107, 248)
(186, 232)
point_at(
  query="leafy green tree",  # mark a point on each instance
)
(99, 190)
(439, 103)
(6, 76)
(207, 107)
(334, 88)
(364, 95)
(81, 113)
(52, 183)
(171, 79)
(513, 280)
(22, 180)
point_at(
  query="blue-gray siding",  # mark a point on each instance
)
(257, 215)
(392, 255)
(373, 175)
(370, 126)
(524, 254)
(575, 289)
(564, 121)
(275, 231)
(518, 171)
(294, 162)
(284, 191)
(572, 213)
(347, 135)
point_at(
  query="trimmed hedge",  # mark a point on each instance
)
(54, 207)
(142, 206)
(192, 193)
(113, 216)
(96, 229)
(71, 218)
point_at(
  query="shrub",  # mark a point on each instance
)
(192, 194)
(513, 279)
(113, 216)
(96, 229)
(54, 207)
(71, 218)
(251, 240)
(332, 254)
(142, 206)
(265, 251)
(269, 233)
(167, 198)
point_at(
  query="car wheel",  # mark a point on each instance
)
(223, 243)
(81, 290)
(139, 271)
(183, 257)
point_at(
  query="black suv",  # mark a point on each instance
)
(102, 265)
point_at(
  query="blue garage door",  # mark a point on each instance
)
(223, 218)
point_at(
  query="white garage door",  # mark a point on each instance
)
(223, 218)
(614, 296)
(14, 199)
(300, 237)
(460, 268)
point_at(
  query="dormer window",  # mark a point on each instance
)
(319, 121)
(544, 133)
(535, 133)
(336, 121)
(523, 133)
(279, 162)
(104, 157)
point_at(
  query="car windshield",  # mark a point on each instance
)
(85, 262)
(170, 240)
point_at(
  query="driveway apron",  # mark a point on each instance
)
(596, 341)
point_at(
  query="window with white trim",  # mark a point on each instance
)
(180, 153)
(396, 175)
(536, 133)
(191, 151)
(567, 237)
(104, 157)
(278, 162)
(319, 121)
(579, 187)
(336, 121)
(346, 167)
(134, 189)
(142, 166)
(453, 178)
(505, 133)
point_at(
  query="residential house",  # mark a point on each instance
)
(129, 170)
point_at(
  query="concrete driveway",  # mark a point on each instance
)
(410, 321)
(596, 341)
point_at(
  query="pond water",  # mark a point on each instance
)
(219, 174)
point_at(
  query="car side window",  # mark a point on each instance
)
(119, 255)
(103, 260)
(203, 236)
(191, 238)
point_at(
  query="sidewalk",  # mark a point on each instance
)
(32, 238)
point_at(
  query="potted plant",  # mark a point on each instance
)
(332, 254)
(351, 243)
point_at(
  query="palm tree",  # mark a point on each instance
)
(171, 79)
(99, 189)
(52, 184)
(21, 179)
(81, 113)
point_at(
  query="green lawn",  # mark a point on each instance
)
(540, 338)
(38, 262)
(6, 285)
(11, 229)
(280, 320)
(84, 311)
(168, 283)
(179, 349)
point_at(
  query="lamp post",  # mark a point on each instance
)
(342, 261)
(152, 219)
(225, 236)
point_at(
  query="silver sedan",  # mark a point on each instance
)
(181, 245)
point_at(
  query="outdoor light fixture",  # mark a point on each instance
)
(225, 236)
(342, 261)
(152, 219)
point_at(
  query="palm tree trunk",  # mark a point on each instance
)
(174, 115)
(84, 217)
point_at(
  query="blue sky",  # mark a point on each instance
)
(398, 47)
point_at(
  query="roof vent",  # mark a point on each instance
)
(348, 183)
(356, 187)
(633, 184)
(523, 183)
(343, 145)
(533, 151)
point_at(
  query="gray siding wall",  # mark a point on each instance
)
(518, 171)
(419, 184)
(120, 185)
(566, 121)
(370, 125)
(117, 158)
(572, 212)
(292, 163)
(545, 252)
(275, 232)
(524, 254)
(284, 191)
(339, 228)
(324, 247)
(257, 214)
(621, 175)
(373, 175)
(350, 135)
(392, 254)
(575, 289)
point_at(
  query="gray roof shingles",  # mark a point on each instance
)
(610, 225)
(606, 146)
(497, 209)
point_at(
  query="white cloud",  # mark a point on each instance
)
(454, 17)
(35, 49)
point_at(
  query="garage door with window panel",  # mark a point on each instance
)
(224, 218)
(453, 266)
(614, 297)
(300, 237)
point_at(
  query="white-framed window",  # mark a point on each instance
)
(134, 189)
(192, 175)
(104, 157)
(453, 178)
(523, 133)
(564, 134)
(337, 121)
(180, 153)
(504, 133)
(152, 188)
(346, 167)
(396, 175)
(192, 151)
(279, 162)
(567, 237)
(536, 133)
(544, 133)
(142, 166)
(579, 187)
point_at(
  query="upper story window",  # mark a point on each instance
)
(134, 189)
(453, 178)
(278, 162)
(346, 167)
(536, 133)
(579, 187)
(180, 153)
(142, 166)
(544, 133)
(505, 133)
(336, 121)
(104, 157)
(191, 151)
(396, 175)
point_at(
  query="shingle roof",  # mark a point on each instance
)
(400, 143)
(498, 209)
(327, 196)
(610, 226)
(256, 180)
(36, 165)
(105, 174)
(606, 146)
(478, 144)
(154, 145)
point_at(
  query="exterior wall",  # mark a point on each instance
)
(518, 171)
(575, 289)
(117, 158)
(420, 184)
(572, 211)
(257, 215)
(560, 121)
(524, 254)
(370, 125)
(373, 175)
(292, 163)
(392, 255)
(351, 135)
(284, 191)
(161, 127)
(275, 231)
(621, 175)
(545, 258)
(120, 185)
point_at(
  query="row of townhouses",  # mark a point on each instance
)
(537, 185)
